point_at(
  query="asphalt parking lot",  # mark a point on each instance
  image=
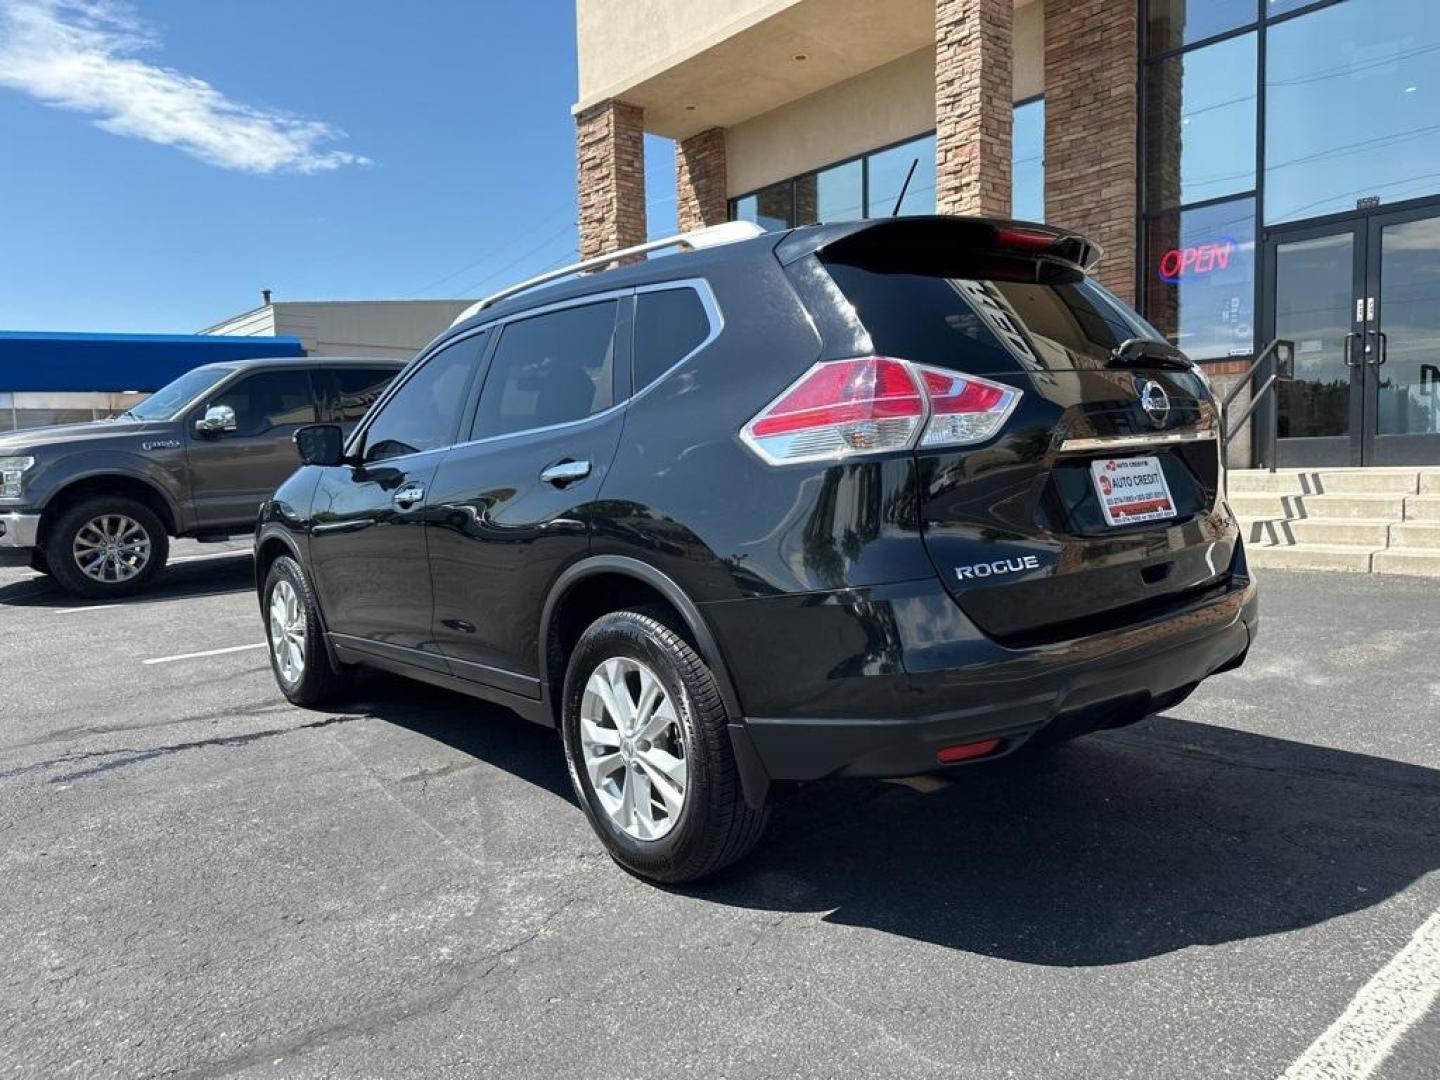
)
(198, 880)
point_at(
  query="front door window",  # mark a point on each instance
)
(1408, 380)
(1314, 298)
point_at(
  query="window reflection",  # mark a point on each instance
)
(1200, 113)
(1352, 107)
(1173, 23)
(1200, 279)
(888, 170)
(1027, 162)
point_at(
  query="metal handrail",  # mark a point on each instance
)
(727, 232)
(1282, 352)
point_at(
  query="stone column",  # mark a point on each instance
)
(974, 114)
(610, 144)
(700, 180)
(1091, 121)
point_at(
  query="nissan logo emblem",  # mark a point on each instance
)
(1153, 400)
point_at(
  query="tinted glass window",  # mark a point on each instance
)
(887, 171)
(349, 392)
(770, 207)
(1200, 116)
(1351, 103)
(1200, 278)
(988, 326)
(1027, 162)
(1172, 23)
(549, 370)
(425, 412)
(668, 326)
(268, 400)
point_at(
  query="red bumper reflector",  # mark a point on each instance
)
(966, 751)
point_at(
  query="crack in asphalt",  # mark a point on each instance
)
(254, 708)
(137, 755)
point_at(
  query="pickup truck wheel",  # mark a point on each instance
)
(649, 754)
(106, 546)
(298, 657)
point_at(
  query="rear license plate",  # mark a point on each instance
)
(1132, 490)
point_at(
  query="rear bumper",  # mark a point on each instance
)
(873, 682)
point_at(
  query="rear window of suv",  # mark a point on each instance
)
(988, 326)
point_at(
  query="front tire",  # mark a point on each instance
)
(106, 546)
(649, 753)
(298, 657)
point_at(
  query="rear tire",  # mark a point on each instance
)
(106, 546)
(39, 563)
(669, 805)
(298, 657)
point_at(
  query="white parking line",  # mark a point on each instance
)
(77, 610)
(1388, 1006)
(227, 554)
(207, 652)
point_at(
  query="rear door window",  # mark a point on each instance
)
(550, 369)
(670, 324)
(347, 393)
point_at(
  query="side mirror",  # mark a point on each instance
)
(321, 444)
(218, 419)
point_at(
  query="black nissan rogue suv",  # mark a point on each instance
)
(866, 499)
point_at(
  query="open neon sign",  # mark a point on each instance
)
(1196, 260)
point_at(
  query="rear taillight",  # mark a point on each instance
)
(876, 404)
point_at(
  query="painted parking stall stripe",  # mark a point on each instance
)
(1389, 1005)
(200, 655)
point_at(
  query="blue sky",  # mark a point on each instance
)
(161, 161)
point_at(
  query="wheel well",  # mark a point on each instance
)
(128, 486)
(265, 557)
(589, 599)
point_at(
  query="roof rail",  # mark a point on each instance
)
(728, 232)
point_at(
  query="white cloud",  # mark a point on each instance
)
(82, 55)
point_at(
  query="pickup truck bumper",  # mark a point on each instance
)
(18, 534)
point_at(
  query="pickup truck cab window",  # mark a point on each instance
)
(166, 402)
(267, 400)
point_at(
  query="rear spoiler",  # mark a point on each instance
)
(932, 244)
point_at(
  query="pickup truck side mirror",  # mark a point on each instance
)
(321, 444)
(218, 420)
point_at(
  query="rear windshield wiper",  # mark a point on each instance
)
(1148, 353)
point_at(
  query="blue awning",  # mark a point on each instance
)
(31, 361)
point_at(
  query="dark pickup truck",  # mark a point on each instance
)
(95, 504)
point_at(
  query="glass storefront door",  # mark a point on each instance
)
(1361, 301)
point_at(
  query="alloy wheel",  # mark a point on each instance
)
(111, 548)
(634, 748)
(287, 631)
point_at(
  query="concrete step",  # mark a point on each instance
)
(1343, 557)
(1371, 507)
(1420, 563)
(1421, 508)
(1394, 481)
(1430, 482)
(1416, 534)
(1351, 532)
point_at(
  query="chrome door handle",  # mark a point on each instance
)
(565, 472)
(1349, 350)
(409, 495)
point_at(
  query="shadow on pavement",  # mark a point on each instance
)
(1115, 848)
(210, 576)
(1118, 847)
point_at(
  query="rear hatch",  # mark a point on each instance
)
(1109, 416)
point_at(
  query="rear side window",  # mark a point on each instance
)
(670, 324)
(550, 369)
(349, 392)
(268, 400)
(424, 413)
(988, 326)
